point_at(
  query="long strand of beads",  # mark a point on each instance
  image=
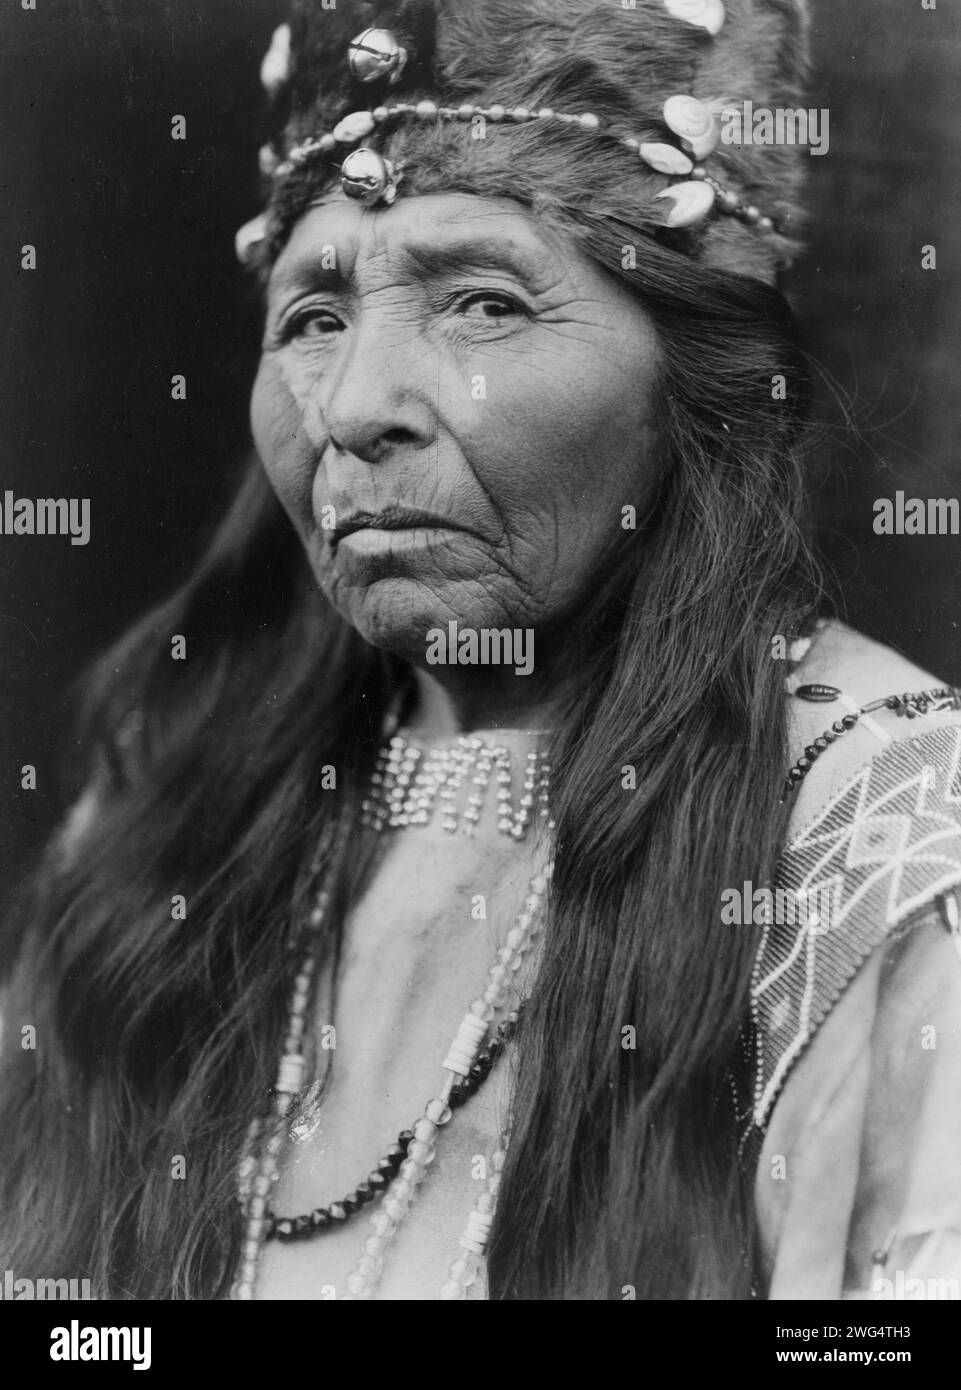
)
(378, 1181)
(473, 1242)
(264, 1171)
(461, 1057)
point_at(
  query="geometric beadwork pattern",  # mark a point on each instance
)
(885, 846)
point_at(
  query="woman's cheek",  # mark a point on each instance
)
(288, 454)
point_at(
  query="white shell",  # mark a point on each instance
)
(706, 14)
(666, 159)
(353, 127)
(274, 68)
(249, 236)
(693, 122)
(692, 202)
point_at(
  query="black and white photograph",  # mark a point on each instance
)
(480, 717)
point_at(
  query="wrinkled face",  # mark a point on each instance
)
(453, 404)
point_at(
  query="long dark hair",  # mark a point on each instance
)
(158, 1038)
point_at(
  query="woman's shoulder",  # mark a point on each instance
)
(861, 673)
(874, 841)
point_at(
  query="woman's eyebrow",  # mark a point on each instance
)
(326, 266)
(451, 254)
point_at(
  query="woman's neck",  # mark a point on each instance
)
(460, 703)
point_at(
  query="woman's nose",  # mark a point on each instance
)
(376, 399)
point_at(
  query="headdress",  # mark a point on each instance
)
(618, 109)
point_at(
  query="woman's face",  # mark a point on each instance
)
(453, 405)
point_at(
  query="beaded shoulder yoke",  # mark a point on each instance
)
(882, 854)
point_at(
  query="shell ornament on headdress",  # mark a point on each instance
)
(652, 77)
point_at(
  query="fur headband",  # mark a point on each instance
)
(618, 60)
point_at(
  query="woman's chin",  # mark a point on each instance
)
(400, 615)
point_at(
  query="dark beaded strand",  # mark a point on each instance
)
(291, 1228)
(908, 705)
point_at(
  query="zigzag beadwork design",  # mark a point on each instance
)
(880, 852)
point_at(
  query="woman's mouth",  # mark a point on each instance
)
(391, 526)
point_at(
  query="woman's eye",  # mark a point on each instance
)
(317, 323)
(490, 307)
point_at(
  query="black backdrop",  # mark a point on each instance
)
(135, 281)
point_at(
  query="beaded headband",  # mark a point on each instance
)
(376, 57)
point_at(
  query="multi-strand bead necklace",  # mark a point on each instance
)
(404, 790)
(407, 784)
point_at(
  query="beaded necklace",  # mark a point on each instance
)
(397, 798)
(909, 706)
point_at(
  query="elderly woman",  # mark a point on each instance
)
(442, 925)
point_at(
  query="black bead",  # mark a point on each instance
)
(795, 774)
(803, 764)
(351, 1202)
(405, 1137)
(484, 1060)
(822, 743)
(377, 1181)
(812, 752)
(838, 727)
(320, 1219)
(365, 1193)
(302, 1226)
(387, 1167)
(285, 1229)
(338, 1212)
(849, 721)
(395, 1155)
(818, 694)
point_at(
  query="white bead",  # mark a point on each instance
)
(485, 1203)
(353, 127)
(452, 1291)
(394, 1208)
(381, 1223)
(438, 1112)
(357, 1284)
(425, 1130)
(516, 938)
(421, 1153)
(290, 1074)
(376, 1246)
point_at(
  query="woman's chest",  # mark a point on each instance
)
(419, 947)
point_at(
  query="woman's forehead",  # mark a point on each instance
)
(431, 232)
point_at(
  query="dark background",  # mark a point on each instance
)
(136, 281)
